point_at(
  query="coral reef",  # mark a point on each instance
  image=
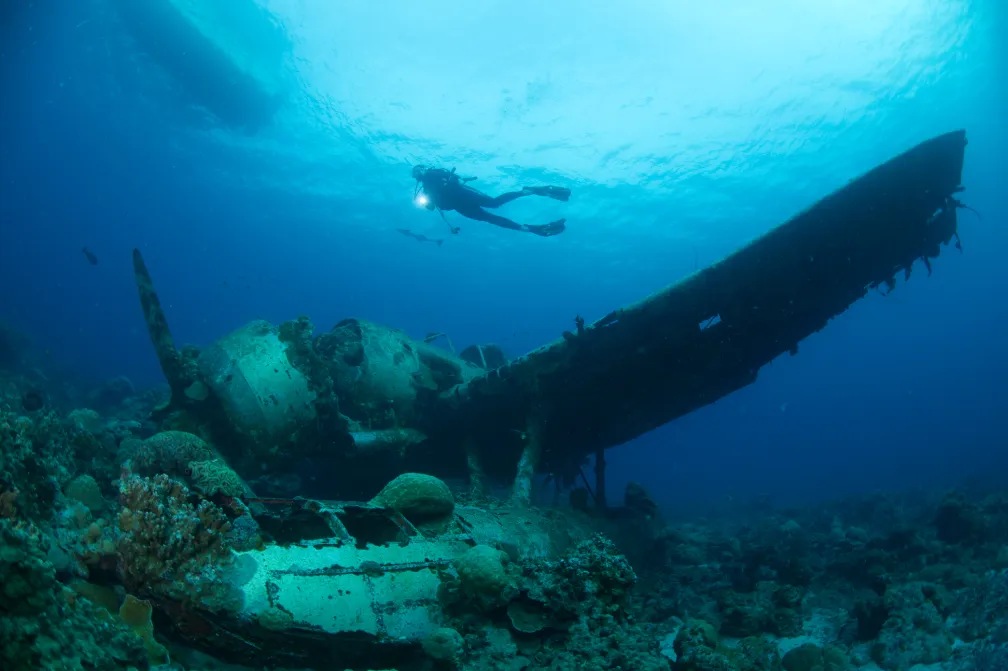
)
(40, 455)
(46, 625)
(36, 459)
(570, 613)
(914, 632)
(893, 581)
(95, 559)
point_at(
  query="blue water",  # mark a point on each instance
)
(683, 132)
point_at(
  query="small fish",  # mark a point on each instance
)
(418, 237)
(92, 259)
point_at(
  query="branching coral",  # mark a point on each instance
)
(169, 546)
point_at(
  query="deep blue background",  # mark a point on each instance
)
(96, 151)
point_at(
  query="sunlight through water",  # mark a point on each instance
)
(687, 104)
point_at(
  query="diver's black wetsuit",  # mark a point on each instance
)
(448, 191)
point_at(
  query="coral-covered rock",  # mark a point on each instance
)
(84, 489)
(87, 420)
(417, 496)
(747, 614)
(483, 575)
(46, 626)
(811, 657)
(914, 633)
(36, 460)
(757, 653)
(168, 452)
(697, 649)
(445, 645)
(568, 614)
(528, 617)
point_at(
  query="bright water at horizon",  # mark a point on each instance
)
(684, 130)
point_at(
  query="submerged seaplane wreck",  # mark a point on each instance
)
(365, 413)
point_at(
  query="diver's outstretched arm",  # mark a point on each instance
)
(453, 229)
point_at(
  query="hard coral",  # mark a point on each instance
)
(84, 489)
(483, 577)
(169, 452)
(169, 546)
(417, 496)
(214, 476)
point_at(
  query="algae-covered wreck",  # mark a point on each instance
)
(367, 402)
(381, 417)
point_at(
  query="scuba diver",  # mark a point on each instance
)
(444, 190)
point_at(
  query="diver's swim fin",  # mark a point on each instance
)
(555, 192)
(549, 230)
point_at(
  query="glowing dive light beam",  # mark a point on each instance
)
(421, 200)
